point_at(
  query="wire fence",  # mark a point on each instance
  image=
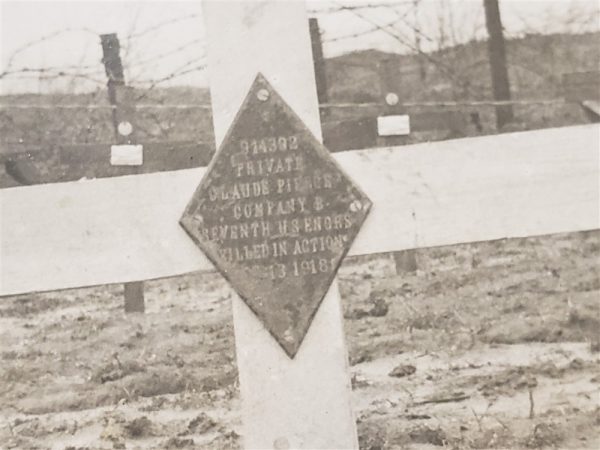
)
(206, 106)
(416, 27)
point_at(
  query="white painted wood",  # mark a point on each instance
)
(300, 403)
(126, 155)
(247, 37)
(115, 230)
(90, 232)
(478, 189)
(398, 125)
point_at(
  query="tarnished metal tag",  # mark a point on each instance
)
(275, 214)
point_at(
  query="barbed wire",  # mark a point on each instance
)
(353, 35)
(9, 63)
(413, 27)
(182, 70)
(337, 9)
(55, 72)
(376, 27)
(163, 24)
(442, 66)
(207, 106)
(167, 53)
(363, 11)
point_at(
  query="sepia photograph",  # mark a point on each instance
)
(299, 224)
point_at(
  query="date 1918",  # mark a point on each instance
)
(300, 267)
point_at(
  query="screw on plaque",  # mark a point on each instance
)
(263, 95)
(356, 206)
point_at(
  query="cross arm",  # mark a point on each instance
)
(27, 164)
(123, 229)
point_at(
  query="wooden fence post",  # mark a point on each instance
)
(497, 54)
(391, 93)
(121, 98)
(319, 61)
(304, 402)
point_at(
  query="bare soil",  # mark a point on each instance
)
(489, 345)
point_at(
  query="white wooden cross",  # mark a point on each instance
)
(125, 229)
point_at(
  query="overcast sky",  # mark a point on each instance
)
(160, 38)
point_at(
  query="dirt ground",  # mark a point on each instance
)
(490, 345)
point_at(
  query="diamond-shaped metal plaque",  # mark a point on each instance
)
(275, 214)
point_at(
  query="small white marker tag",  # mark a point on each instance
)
(126, 155)
(393, 125)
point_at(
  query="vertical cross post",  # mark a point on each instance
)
(301, 402)
(121, 98)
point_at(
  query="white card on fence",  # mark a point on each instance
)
(126, 155)
(393, 125)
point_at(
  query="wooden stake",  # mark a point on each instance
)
(122, 98)
(300, 403)
(498, 66)
(319, 60)
(134, 296)
(392, 95)
(405, 261)
(391, 84)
